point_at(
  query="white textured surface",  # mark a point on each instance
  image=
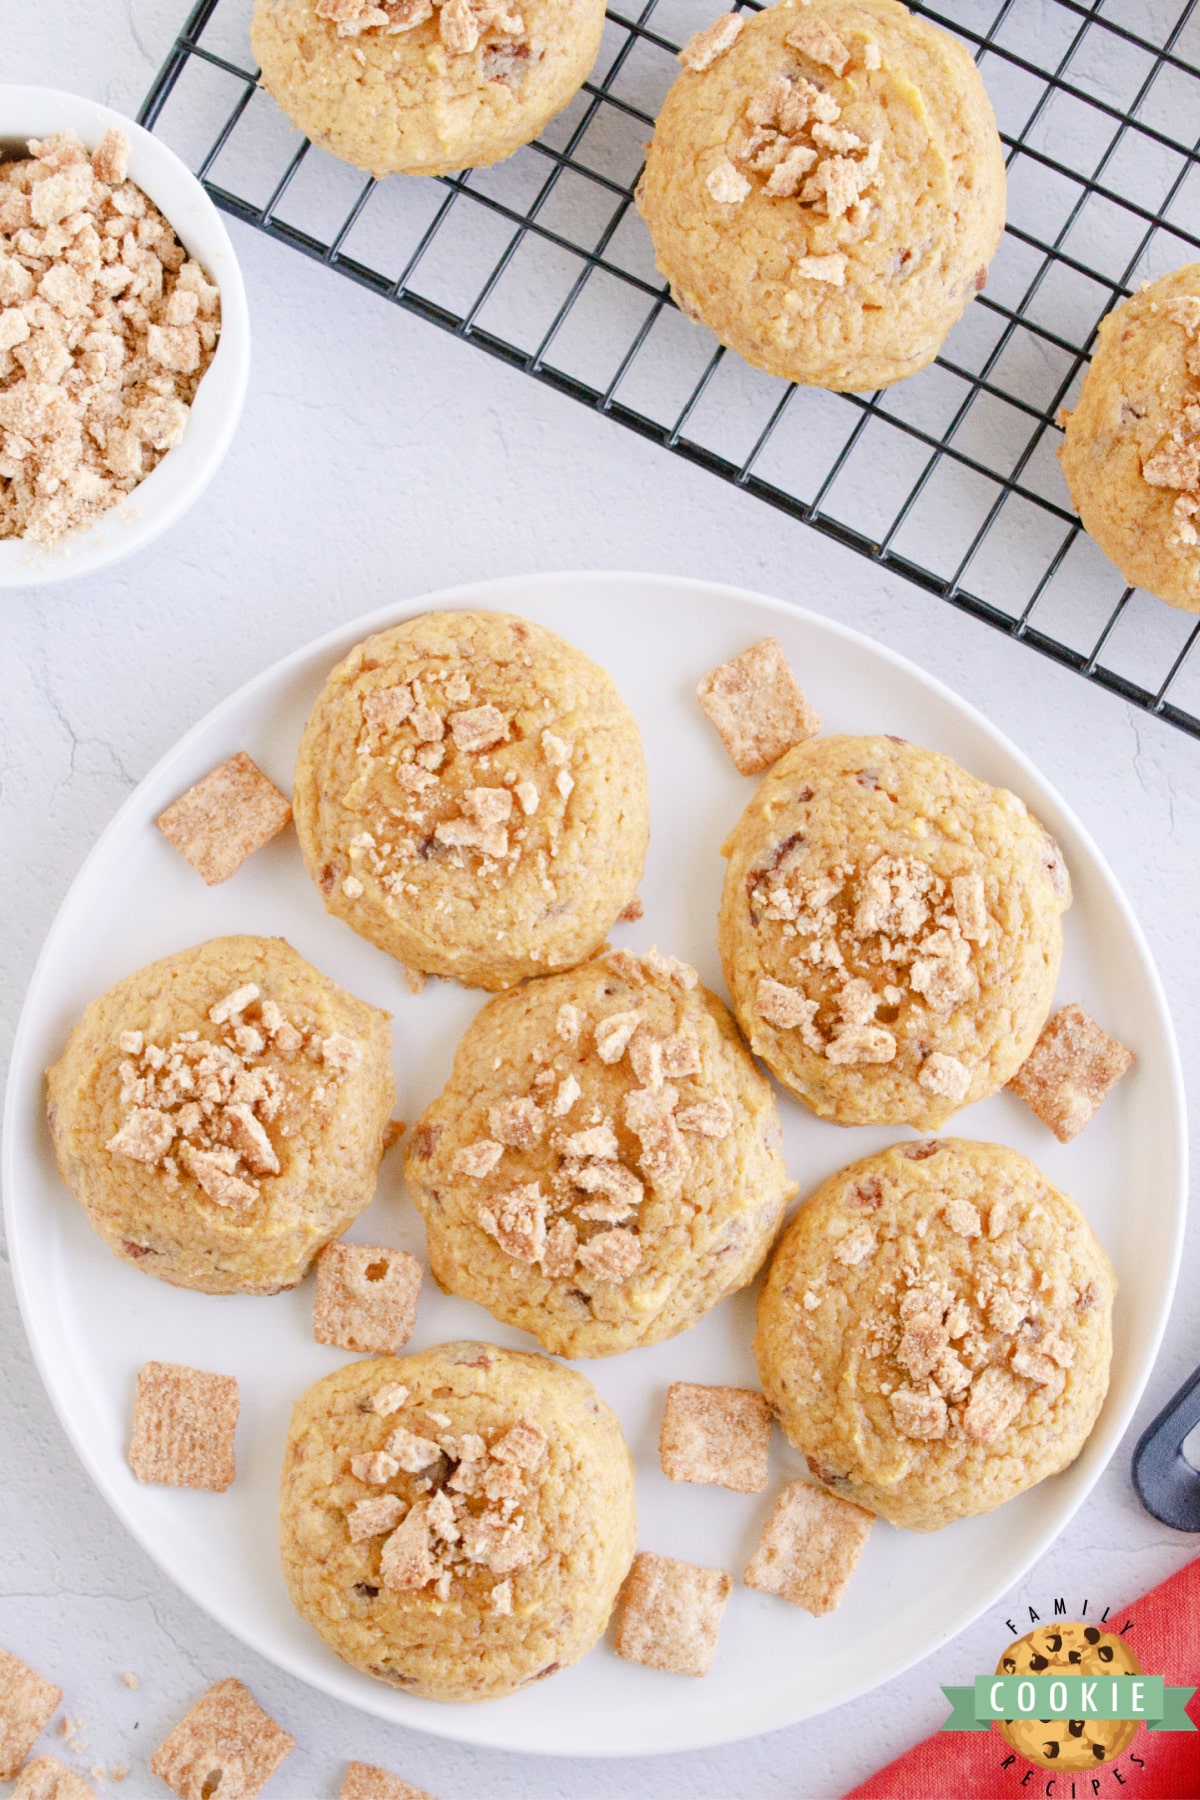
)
(378, 457)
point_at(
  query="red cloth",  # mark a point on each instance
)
(966, 1765)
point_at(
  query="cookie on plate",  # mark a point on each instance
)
(1069, 1648)
(1131, 450)
(604, 1163)
(424, 87)
(459, 1522)
(935, 1331)
(890, 930)
(471, 796)
(220, 1115)
(825, 189)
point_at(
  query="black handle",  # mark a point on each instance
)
(1167, 1484)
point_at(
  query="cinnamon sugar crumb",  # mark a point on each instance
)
(228, 815)
(703, 49)
(757, 706)
(1070, 1072)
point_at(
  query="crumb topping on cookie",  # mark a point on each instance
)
(440, 780)
(461, 25)
(106, 329)
(585, 1213)
(203, 1103)
(467, 1505)
(704, 47)
(879, 939)
(959, 1342)
(789, 137)
(1176, 461)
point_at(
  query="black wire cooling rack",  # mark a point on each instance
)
(949, 479)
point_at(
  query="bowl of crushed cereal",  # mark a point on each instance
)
(124, 337)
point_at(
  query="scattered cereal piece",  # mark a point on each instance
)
(132, 1682)
(671, 1614)
(630, 914)
(225, 818)
(48, 1779)
(366, 1298)
(810, 1548)
(716, 1434)
(27, 1704)
(184, 1422)
(225, 1742)
(365, 1782)
(415, 980)
(704, 47)
(1069, 1072)
(757, 706)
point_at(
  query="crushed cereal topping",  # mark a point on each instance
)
(106, 329)
(703, 49)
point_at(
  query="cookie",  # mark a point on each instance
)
(825, 189)
(471, 796)
(935, 1331)
(456, 1523)
(220, 1115)
(890, 930)
(1131, 449)
(1071, 1648)
(604, 1163)
(424, 87)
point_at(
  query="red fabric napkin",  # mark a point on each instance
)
(965, 1765)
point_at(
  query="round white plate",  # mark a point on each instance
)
(93, 1321)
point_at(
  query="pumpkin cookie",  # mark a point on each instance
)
(1070, 1648)
(1131, 450)
(825, 189)
(457, 1523)
(471, 796)
(604, 1164)
(424, 87)
(890, 930)
(935, 1331)
(220, 1115)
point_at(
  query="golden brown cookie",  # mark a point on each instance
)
(1131, 450)
(825, 189)
(220, 1115)
(604, 1164)
(890, 930)
(424, 87)
(935, 1330)
(456, 1523)
(471, 796)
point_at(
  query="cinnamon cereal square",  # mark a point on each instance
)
(757, 707)
(184, 1422)
(366, 1298)
(1069, 1072)
(27, 1704)
(810, 1547)
(225, 818)
(364, 1782)
(48, 1779)
(716, 1434)
(671, 1614)
(226, 1740)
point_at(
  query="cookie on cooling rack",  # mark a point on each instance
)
(471, 796)
(424, 87)
(457, 1523)
(890, 930)
(935, 1331)
(220, 1115)
(1131, 450)
(825, 189)
(604, 1163)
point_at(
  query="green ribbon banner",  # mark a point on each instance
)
(1045, 1697)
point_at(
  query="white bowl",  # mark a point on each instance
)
(184, 472)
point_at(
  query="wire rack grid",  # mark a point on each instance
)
(949, 479)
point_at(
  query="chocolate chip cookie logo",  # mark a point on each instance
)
(1069, 1696)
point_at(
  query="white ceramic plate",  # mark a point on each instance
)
(93, 1321)
(183, 474)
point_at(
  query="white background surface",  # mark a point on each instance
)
(379, 458)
